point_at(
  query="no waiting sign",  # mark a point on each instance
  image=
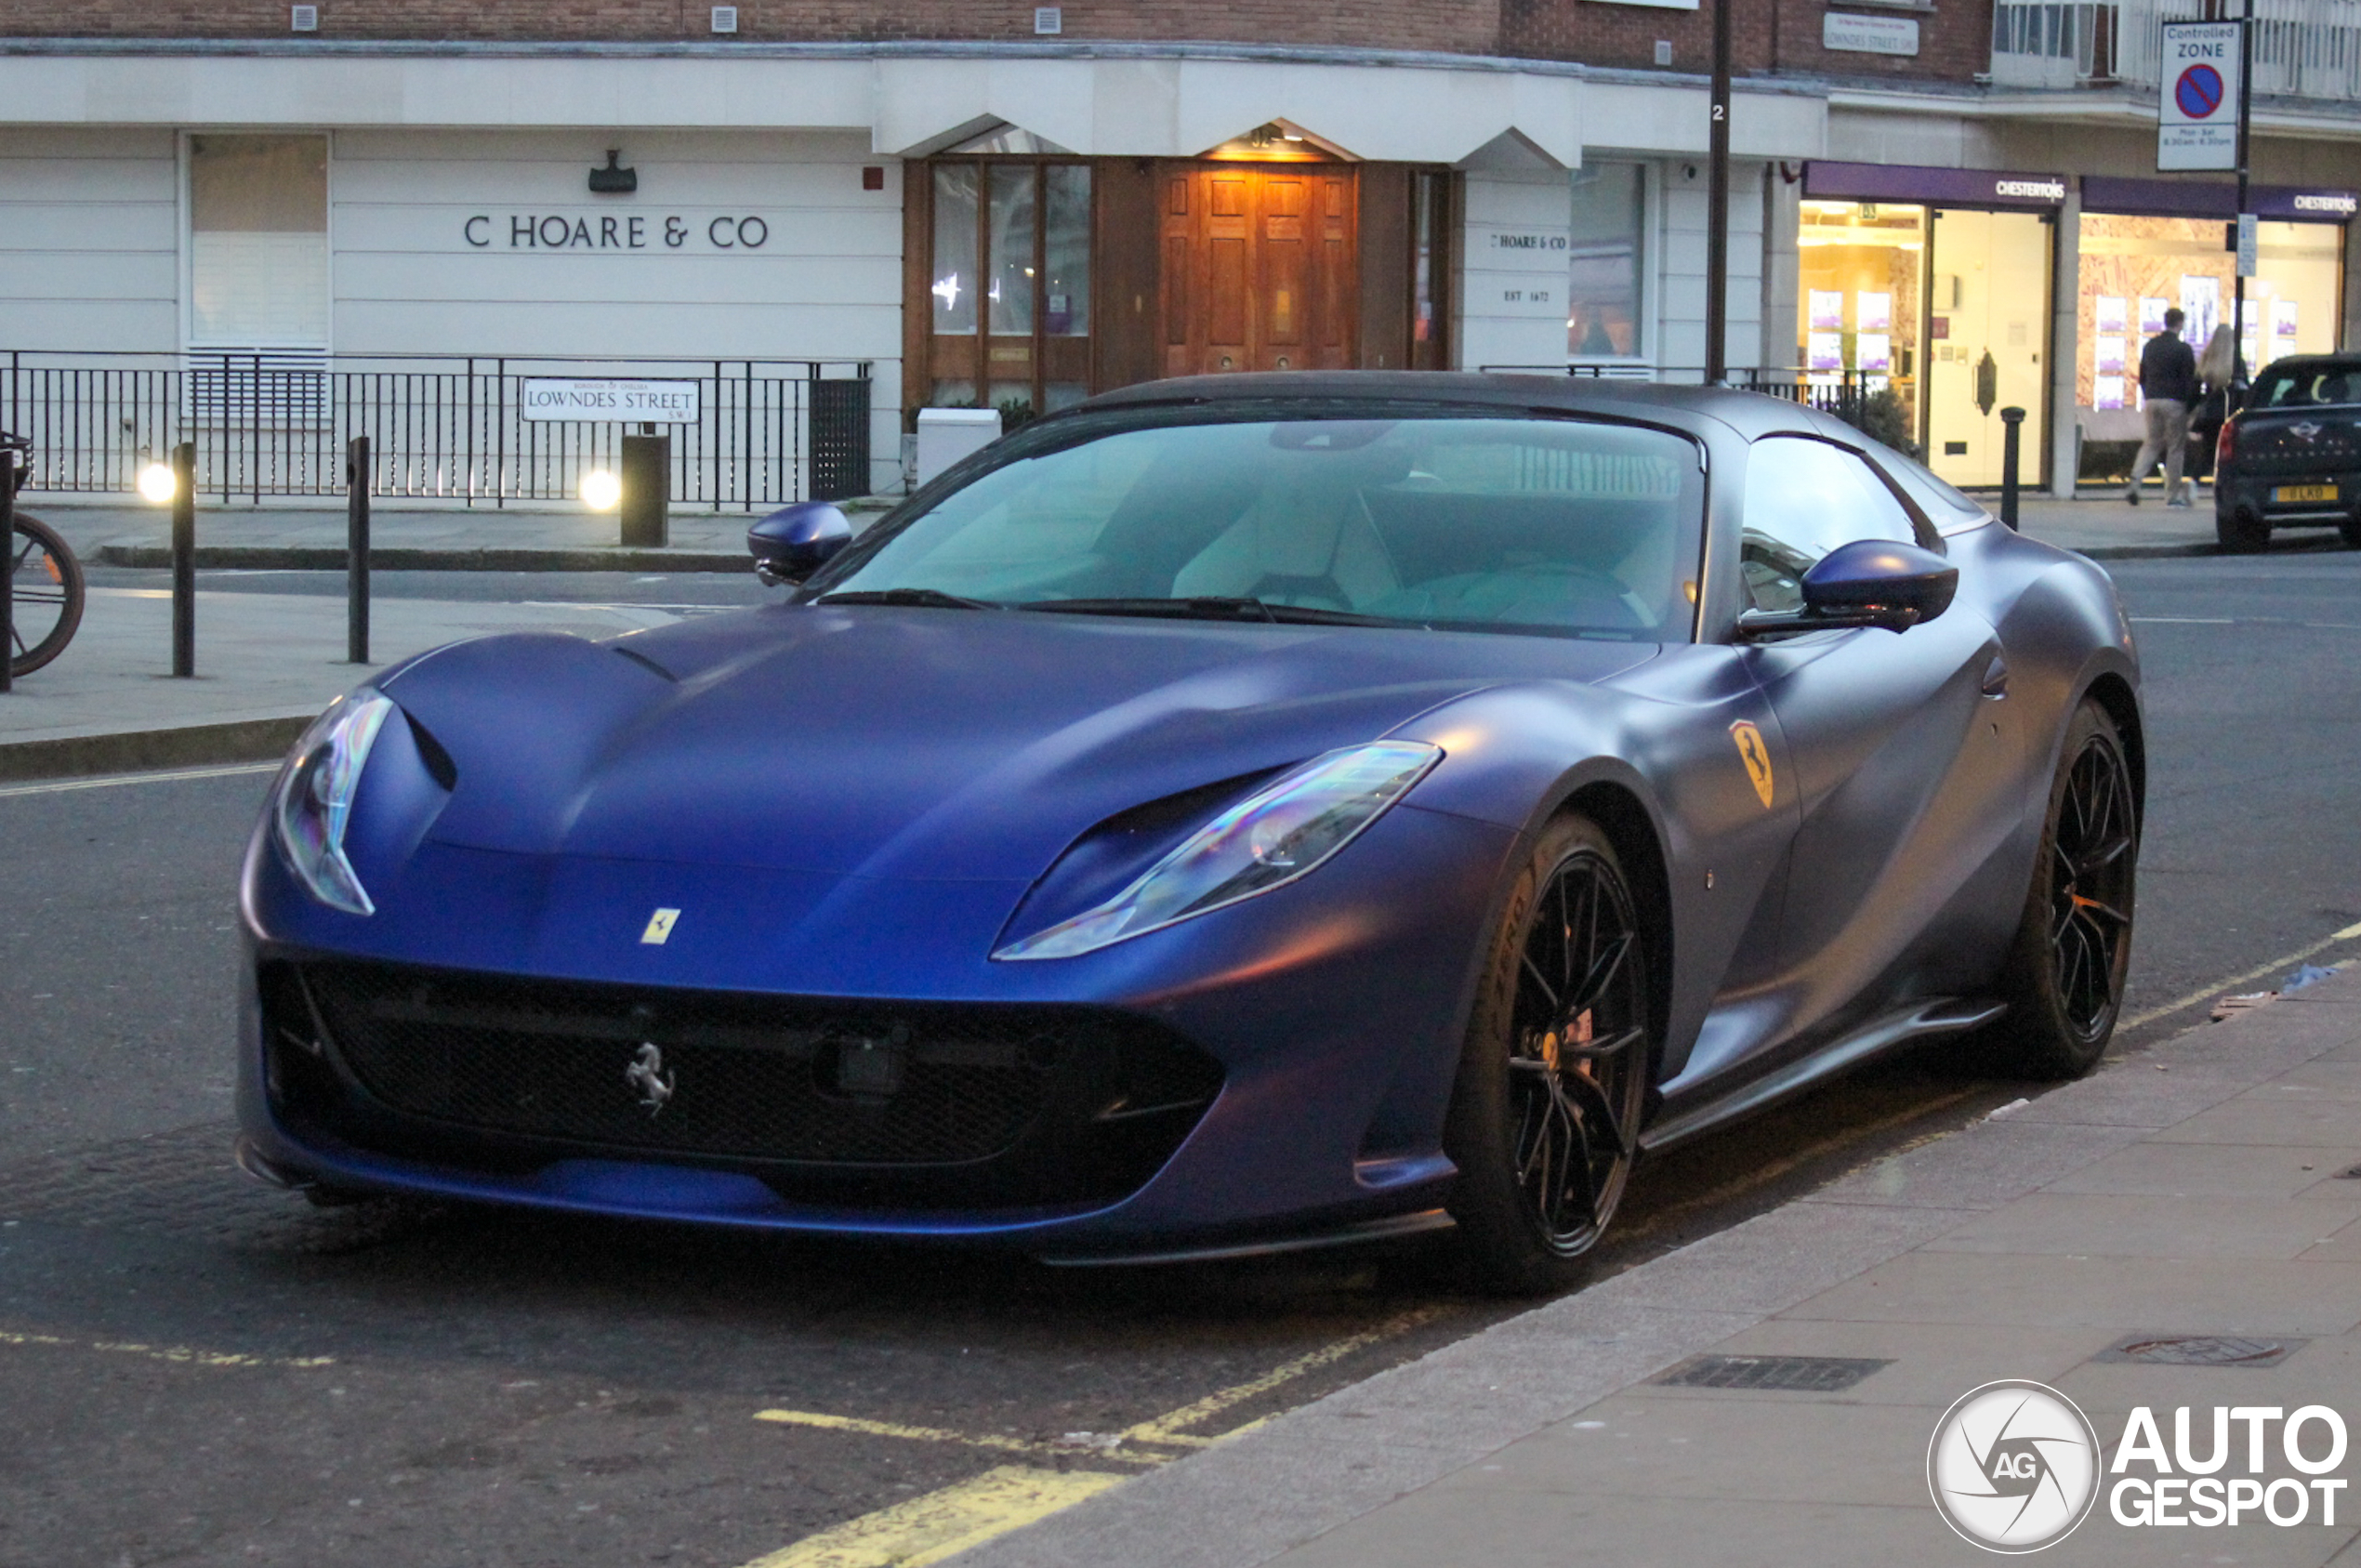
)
(2198, 108)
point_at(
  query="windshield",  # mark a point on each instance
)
(1510, 524)
(2306, 385)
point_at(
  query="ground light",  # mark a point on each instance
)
(602, 490)
(158, 485)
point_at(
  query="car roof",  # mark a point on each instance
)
(1748, 414)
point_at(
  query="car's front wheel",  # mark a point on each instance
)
(1545, 1113)
(2064, 976)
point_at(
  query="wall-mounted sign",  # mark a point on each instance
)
(2197, 111)
(1869, 36)
(615, 231)
(1936, 187)
(633, 403)
(2202, 198)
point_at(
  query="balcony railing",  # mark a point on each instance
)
(2302, 48)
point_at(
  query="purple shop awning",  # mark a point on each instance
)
(1942, 187)
(2214, 198)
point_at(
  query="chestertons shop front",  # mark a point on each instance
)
(1942, 287)
(1018, 229)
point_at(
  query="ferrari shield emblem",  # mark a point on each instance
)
(1757, 756)
(659, 929)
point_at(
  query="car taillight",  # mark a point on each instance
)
(2225, 445)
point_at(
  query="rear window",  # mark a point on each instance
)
(2309, 386)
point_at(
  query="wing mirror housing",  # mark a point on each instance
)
(794, 542)
(1867, 583)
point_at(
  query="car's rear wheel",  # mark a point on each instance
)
(2241, 531)
(2064, 977)
(1545, 1115)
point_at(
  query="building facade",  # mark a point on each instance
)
(1950, 203)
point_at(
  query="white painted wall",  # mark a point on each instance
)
(1680, 349)
(89, 240)
(1512, 273)
(825, 283)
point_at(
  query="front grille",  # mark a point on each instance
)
(826, 1100)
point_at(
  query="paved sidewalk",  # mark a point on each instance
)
(2203, 1188)
(265, 662)
(442, 538)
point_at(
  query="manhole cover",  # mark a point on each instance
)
(1810, 1374)
(2201, 1350)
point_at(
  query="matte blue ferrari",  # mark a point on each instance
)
(1229, 815)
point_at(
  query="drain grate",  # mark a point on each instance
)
(1809, 1375)
(2201, 1350)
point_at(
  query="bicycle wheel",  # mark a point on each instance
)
(48, 580)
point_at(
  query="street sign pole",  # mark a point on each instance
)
(2241, 370)
(1717, 217)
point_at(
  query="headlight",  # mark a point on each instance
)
(314, 800)
(1274, 836)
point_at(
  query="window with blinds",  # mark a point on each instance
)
(258, 242)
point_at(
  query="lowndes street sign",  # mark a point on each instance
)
(610, 401)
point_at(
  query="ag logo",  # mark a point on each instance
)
(2013, 1466)
(1757, 756)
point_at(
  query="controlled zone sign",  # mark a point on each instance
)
(2197, 107)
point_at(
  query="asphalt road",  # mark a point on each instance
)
(196, 1370)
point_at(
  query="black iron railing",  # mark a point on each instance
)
(276, 423)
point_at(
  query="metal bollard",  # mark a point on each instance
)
(356, 550)
(647, 484)
(8, 569)
(184, 560)
(2012, 424)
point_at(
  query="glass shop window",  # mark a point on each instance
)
(258, 241)
(1604, 290)
(1010, 284)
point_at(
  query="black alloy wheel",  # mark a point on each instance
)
(1546, 1114)
(2074, 946)
(48, 593)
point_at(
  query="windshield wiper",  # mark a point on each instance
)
(1205, 607)
(919, 599)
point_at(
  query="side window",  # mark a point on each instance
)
(1803, 499)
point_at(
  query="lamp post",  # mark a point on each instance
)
(1717, 217)
(2238, 280)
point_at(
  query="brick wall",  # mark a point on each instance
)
(1462, 26)
(1772, 35)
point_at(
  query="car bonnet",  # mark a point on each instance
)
(911, 742)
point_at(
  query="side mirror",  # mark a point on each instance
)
(1867, 583)
(794, 542)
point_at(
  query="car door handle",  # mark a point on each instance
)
(1995, 677)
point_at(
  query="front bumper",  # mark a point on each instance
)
(1278, 1067)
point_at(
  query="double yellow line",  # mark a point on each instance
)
(1007, 1498)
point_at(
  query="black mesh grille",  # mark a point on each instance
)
(1026, 1103)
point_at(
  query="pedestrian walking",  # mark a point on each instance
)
(2218, 370)
(2167, 391)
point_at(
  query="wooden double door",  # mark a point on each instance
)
(1260, 268)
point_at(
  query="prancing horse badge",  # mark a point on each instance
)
(1757, 756)
(659, 929)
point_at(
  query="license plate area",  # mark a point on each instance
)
(2284, 494)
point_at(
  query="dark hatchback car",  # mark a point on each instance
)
(2292, 458)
